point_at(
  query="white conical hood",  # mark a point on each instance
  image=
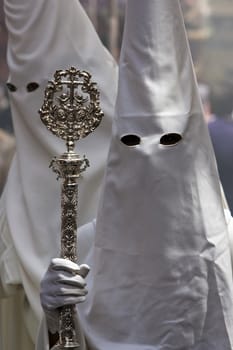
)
(162, 273)
(45, 36)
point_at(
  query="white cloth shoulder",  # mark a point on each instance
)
(10, 281)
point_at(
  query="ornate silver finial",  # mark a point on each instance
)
(71, 108)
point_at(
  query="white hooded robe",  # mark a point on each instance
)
(44, 36)
(161, 275)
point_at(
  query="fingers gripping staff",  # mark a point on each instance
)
(71, 111)
(64, 280)
(63, 284)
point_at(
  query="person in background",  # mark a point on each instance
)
(44, 36)
(218, 115)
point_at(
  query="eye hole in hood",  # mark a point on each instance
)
(32, 86)
(170, 139)
(11, 87)
(131, 140)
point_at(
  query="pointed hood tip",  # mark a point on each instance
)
(156, 75)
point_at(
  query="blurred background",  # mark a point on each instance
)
(209, 25)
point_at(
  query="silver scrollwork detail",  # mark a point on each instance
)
(71, 108)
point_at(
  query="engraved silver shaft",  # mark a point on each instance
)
(68, 167)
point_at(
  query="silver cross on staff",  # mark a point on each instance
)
(71, 111)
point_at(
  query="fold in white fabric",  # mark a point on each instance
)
(9, 273)
(161, 273)
(45, 36)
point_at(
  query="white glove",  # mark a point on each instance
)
(62, 284)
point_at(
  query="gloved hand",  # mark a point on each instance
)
(62, 284)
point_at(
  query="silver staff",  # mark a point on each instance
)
(71, 111)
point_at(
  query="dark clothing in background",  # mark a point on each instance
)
(221, 132)
(6, 121)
